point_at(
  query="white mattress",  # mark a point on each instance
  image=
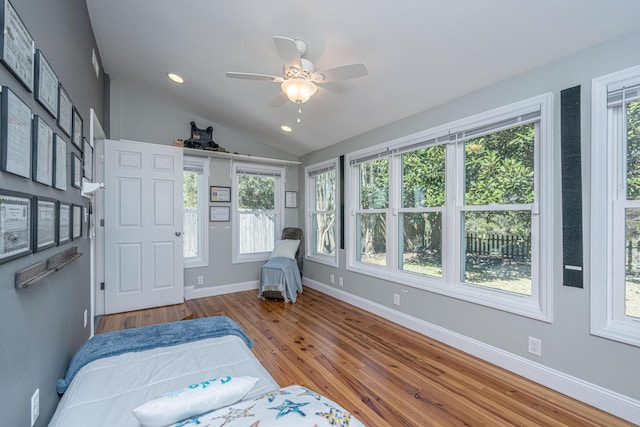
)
(105, 391)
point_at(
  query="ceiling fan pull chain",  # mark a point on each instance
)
(299, 112)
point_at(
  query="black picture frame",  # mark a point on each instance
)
(16, 45)
(65, 111)
(290, 199)
(42, 156)
(59, 163)
(64, 223)
(76, 171)
(46, 85)
(76, 132)
(219, 194)
(45, 223)
(219, 213)
(16, 226)
(76, 222)
(15, 134)
(87, 160)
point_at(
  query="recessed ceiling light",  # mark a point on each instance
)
(285, 128)
(176, 78)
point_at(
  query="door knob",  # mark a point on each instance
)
(178, 233)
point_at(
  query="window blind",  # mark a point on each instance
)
(258, 173)
(320, 171)
(628, 94)
(193, 165)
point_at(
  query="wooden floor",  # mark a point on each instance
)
(381, 372)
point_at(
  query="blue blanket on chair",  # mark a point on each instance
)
(148, 337)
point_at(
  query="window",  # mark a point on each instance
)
(322, 209)
(195, 201)
(462, 210)
(615, 207)
(257, 203)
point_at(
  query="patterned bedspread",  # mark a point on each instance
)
(293, 406)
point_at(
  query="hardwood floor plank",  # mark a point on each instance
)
(383, 373)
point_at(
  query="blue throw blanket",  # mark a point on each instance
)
(148, 337)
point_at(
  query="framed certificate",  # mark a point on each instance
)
(59, 163)
(46, 85)
(76, 138)
(76, 171)
(15, 225)
(64, 223)
(45, 215)
(65, 111)
(290, 199)
(42, 152)
(219, 194)
(16, 49)
(87, 159)
(76, 222)
(219, 213)
(15, 134)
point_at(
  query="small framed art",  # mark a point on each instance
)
(17, 45)
(76, 171)
(219, 194)
(76, 137)
(219, 213)
(64, 223)
(45, 223)
(290, 199)
(46, 85)
(42, 152)
(65, 111)
(15, 225)
(15, 134)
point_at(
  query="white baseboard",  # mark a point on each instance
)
(191, 292)
(607, 400)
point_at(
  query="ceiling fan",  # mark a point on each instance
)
(299, 81)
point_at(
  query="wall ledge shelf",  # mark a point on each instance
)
(37, 272)
(240, 157)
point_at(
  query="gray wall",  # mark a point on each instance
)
(42, 326)
(140, 117)
(567, 344)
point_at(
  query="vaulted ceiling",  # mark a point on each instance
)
(419, 53)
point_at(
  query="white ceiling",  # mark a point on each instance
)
(419, 53)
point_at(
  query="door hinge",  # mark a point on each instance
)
(101, 222)
(102, 286)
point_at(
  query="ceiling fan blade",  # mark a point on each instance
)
(288, 51)
(279, 100)
(253, 76)
(344, 72)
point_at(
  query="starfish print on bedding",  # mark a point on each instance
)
(289, 407)
(311, 393)
(336, 417)
(234, 414)
(271, 395)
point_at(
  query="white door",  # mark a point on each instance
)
(143, 226)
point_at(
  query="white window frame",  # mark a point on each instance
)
(608, 203)
(202, 260)
(310, 211)
(237, 257)
(537, 306)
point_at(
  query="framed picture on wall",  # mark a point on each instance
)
(16, 48)
(87, 159)
(45, 224)
(76, 171)
(15, 134)
(219, 194)
(76, 138)
(59, 163)
(290, 199)
(42, 151)
(46, 85)
(65, 111)
(15, 225)
(64, 223)
(76, 222)
(219, 213)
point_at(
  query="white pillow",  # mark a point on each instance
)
(285, 249)
(193, 400)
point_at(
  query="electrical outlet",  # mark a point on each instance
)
(200, 280)
(535, 346)
(396, 300)
(85, 318)
(332, 278)
(340, 281)
(35, 406)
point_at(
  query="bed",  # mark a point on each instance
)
(166, 371)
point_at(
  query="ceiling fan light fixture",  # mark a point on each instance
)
(176, 78)
(298, 90)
